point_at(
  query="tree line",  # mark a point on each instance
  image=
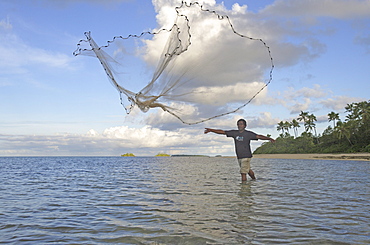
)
(341, 136)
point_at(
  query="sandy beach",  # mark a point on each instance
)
(332, 156)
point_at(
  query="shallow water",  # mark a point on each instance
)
(182, 200)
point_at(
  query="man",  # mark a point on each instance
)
(242, 140)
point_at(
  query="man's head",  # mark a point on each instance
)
(242, 124)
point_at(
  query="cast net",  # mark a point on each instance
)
(198, 69)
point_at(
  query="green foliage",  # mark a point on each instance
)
(128, 155)
(302, 144)
(352, 135)
(162, 155)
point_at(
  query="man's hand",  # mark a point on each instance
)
(216, 131)
(207, 130)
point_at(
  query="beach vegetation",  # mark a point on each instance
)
(350, 135)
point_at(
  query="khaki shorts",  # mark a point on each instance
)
(245, 165)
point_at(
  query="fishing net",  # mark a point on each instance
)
(198, 69)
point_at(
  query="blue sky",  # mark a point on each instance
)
(53, 103)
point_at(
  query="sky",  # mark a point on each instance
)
(53, 103)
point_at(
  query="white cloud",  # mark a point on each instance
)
(264, 120)
(164, 120)
(24, 64)
(341, 9)
(302, 99)
(306, 22)
(322, 119)
(216, 95)
(17, 56)
(92, 133)
(300, 106)
(146, 136)
(242, 9)
(144, 141)
(315, 92)
(338, 103)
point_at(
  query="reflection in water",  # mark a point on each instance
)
(245, 191)
(183, 201)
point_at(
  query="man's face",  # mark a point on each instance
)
(241, 125)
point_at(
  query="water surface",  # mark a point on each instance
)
(182, 200)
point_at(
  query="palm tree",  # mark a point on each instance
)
(311, 122)
(364, 110)
(287, 126)
(343, 130)
(357, 123)
(350, 107)
(310, 125)
(303, 116)
(280, 127)
(295, 125)
(332, 117)
(354, 116)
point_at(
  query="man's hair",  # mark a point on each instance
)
(242, 120)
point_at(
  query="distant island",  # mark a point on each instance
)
(128, 155)
(162, 155)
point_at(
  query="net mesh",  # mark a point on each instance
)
(199, 69)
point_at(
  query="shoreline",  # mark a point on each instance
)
(321, 156)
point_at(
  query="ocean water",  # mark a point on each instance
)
(182, 200)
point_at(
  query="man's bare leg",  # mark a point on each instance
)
(244, 177)
(251, 174)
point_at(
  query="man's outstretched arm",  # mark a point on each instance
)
(262, 137)
(216, 131)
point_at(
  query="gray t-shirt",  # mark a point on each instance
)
(242, 142)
